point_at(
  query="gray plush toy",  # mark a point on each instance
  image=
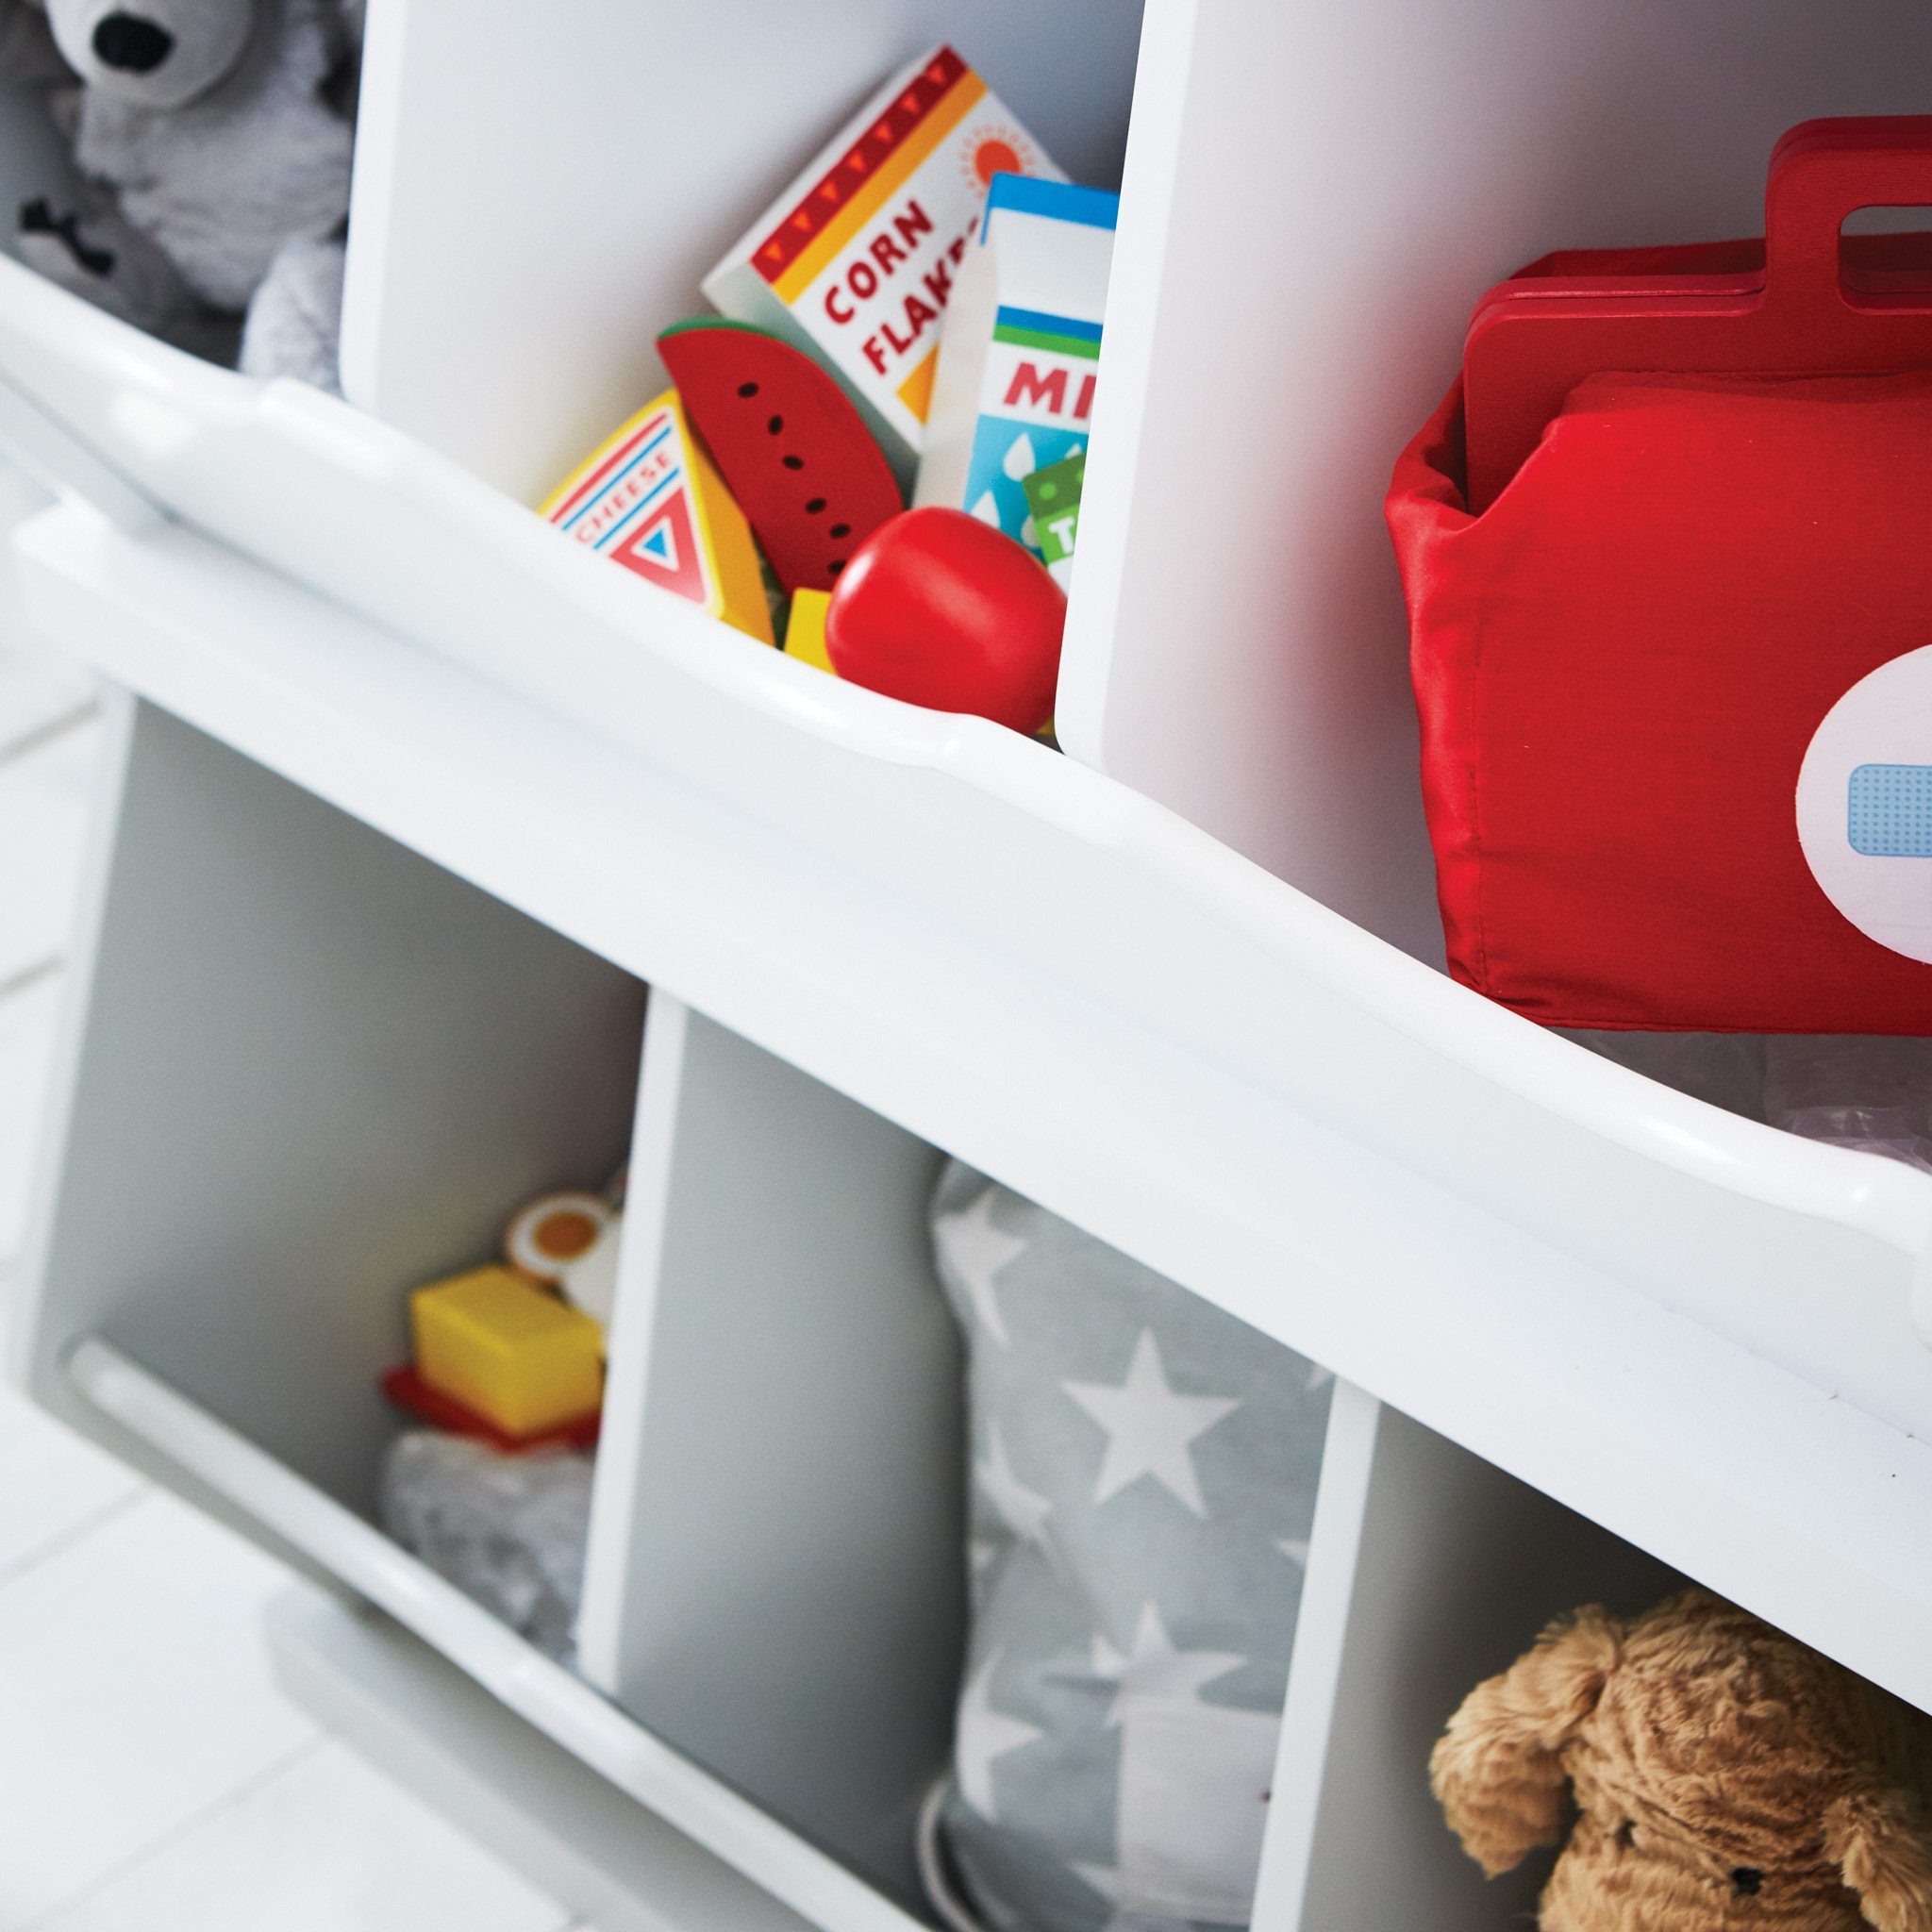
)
(215, 137)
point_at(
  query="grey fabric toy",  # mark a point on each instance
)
(217, 138)
(294, 322)
(1144, 1475)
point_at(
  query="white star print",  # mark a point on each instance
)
(1149, 1427)
(1023, 1511)
(1154, 1668)
(983, 1735)
(975, 1250)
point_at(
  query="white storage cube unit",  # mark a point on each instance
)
(409, 803)
(771, 1634)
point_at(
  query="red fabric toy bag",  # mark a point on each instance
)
(1670, 590)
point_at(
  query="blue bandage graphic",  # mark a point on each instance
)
(1888, 812)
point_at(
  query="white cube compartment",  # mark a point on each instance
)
(621, 150)
(1436, 1571)
(317, 1071)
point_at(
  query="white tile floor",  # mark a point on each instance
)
(152, 1778)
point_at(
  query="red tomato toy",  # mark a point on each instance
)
(943, 610)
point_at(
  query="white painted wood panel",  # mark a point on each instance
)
(621, 149)
(777, 1577)
(208, 1458)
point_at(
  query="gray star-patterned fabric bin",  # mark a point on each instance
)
(1144, 1470)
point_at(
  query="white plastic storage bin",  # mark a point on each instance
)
(314, 1067)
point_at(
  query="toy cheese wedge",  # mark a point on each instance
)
(649, 499)
(854, 260)
(1534, 338)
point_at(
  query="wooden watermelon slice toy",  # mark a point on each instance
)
(793, 451)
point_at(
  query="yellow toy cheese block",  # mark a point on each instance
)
(649, 500)
(805, 630)
(501, 1346)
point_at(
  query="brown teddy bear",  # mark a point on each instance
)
(1723, 1777)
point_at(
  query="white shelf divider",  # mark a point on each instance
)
(776, 1572)
(1430, 1570)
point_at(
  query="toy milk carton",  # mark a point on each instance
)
(855, 261)
(1053, 496)
(1015, 393)
(648, 498)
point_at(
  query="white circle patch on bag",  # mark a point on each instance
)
(1865, 805)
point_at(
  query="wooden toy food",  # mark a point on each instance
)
(1053, 494)
(805, 630)
(941, 610)
(649, 499)
(546, 1237)
(795, 452)
(590, 1281)
(501, 1346)
(854, 260)
(1019, 369)
(404, 1387)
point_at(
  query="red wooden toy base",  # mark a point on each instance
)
(408, 1390)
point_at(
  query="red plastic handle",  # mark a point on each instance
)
(1822, 173)
(1533, 340)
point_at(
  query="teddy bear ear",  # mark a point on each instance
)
(1878, 1841)
(1497, 1770)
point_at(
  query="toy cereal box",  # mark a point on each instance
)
(855, 261)
(649, 499)
(1019, 363)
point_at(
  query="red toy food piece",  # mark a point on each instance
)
(788, 444)
(945, 611)
(408, 1390)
